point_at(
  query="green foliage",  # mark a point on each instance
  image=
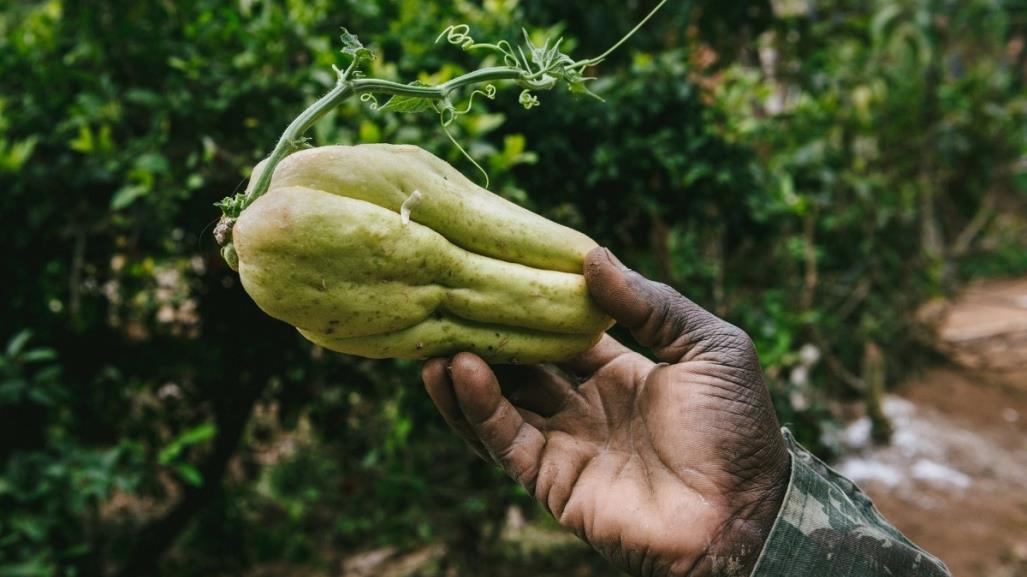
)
(885, 132)
(51, 490)
(1005, 258)
(812, 171)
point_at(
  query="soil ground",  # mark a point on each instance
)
(954, 478)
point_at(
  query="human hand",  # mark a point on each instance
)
(667, 469)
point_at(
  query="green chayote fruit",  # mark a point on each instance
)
(387, 251)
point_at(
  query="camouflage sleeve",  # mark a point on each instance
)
(827, 527)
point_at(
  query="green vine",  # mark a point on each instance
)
(532, 68)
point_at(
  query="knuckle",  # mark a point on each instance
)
(677, 323)
(737, 338)
(724, 336)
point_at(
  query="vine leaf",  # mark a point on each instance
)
(548, 56)
(578, 83)
(232, 206)
(352, 46)
(407, 104)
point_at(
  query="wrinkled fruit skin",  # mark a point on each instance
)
(327, 250)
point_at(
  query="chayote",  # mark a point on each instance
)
(383, 250)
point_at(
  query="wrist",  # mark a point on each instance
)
(736, 548)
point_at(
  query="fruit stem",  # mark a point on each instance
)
(345, 89)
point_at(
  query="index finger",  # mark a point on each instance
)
(512, 442)
(440, 389)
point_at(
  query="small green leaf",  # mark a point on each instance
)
(190, 474)
(169, 453)
(152, 162)
(13, 155)
(407, 104)
(38, 355)
(18, 342)
(555, 56)
(231, 206)
(577, 84)
(198, 434)
(350, 43)
(188, 437)
(352, 46)
(126, 195)
(84, 142)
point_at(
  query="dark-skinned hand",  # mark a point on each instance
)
(668, 468)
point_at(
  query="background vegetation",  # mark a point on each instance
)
(811, 170)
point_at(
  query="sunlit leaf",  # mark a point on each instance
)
(407, 104)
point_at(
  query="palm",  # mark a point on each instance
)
(613, 459)
(651, 464)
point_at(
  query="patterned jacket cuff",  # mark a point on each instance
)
(828, 527)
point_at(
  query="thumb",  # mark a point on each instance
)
(658, 316)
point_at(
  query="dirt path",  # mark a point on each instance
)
(954, 478)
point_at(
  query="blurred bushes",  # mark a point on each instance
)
(810, 170)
